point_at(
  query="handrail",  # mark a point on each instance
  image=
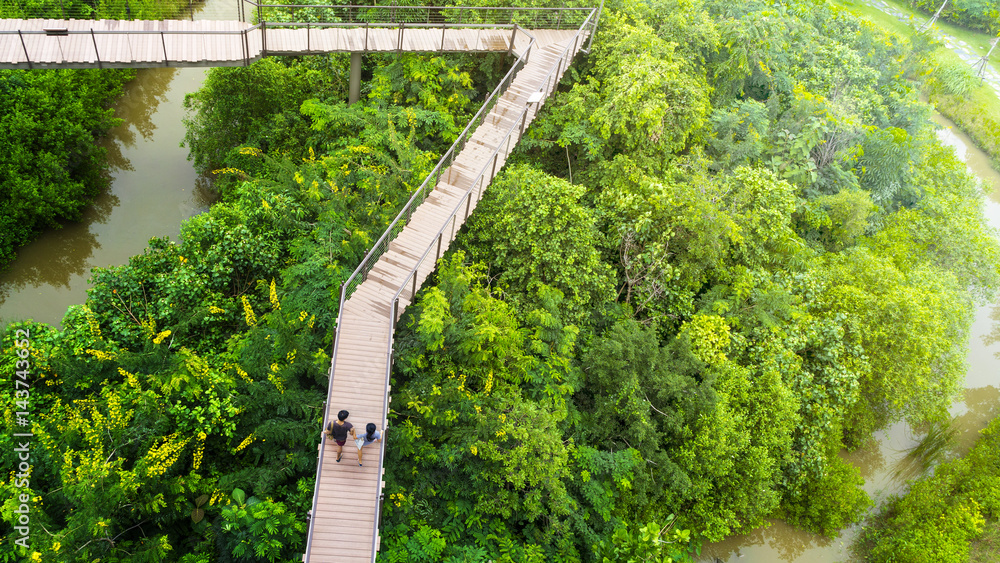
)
(383, 241)
(546, 89)
(368, 262)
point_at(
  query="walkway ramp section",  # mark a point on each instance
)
(348, 497)
(50, 43)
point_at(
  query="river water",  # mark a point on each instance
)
(153, 189)
(884, 465)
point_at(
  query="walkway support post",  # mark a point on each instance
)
(27, 57)
(354, 91)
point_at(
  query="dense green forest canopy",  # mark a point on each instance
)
(729, 246)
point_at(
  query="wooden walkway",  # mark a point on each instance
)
(347, 497)
(141, 43)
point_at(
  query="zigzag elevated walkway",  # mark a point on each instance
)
(348, 497)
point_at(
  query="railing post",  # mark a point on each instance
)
(524, 118)
(444, 27)
(437, 255)
(27, 57)
(166, 59)
(413, 292)
(399, 45)
(308, 44)
(366, 36)
(513, 34)
(468, 204)
(263, 38)
(493, 173)
(96, 51)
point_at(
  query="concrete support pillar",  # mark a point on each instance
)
(354, 92)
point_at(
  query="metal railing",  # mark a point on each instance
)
(249, 45)
(537, 18)
(549, 83)
(381, 246)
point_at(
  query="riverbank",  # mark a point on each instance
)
(947, 71)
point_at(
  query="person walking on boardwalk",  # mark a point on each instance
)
(338, 430)
(371, 435)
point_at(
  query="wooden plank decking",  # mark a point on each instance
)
(143, 43)
(348, 494)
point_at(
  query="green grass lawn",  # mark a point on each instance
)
(986, 548)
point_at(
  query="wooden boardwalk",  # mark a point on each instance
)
(347, 497)
(141, 43)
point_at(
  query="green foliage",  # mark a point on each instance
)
(538, 232)
(50, 164)
(645, 545)
(910, 324)
(259, 530)
(942, 513)
(256, 106)
(983, 15)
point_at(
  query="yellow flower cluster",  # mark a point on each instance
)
(248, 313)
(273, 378)
(160, 458)
(243, 374)
(215, 310)
(182, 259)
(199, 451)
(265, 205)
(298, 178)
(95, 327)
(229, 171)
(132, 380)
(246, 441)
(488, 384)
(501, 433)
(250, 151)
(274, 297)
(397, 499)
(159, 337)
(102, 355)
(474, 450)
(290, 356)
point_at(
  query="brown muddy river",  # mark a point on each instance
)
(153, 189)
(884, 465)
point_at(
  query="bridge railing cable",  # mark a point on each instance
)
(532, 18)
(408, 288)
(381, 246)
